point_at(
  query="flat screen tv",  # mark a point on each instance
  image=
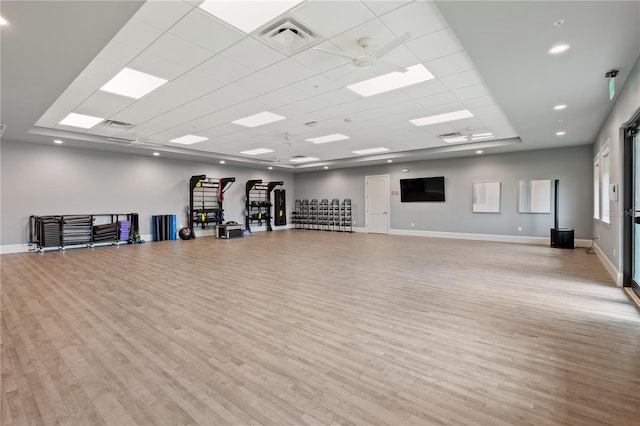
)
(422, 189)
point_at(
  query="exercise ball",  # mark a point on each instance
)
(185, 234)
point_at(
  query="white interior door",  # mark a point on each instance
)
(377, 204)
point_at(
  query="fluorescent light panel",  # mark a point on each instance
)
(247, 16)
(442, 118)
(479, 138)
(189, 139)
(259, 119)
(479, 135)
(328, 138)
(559, 48)
(456, 139)
(303, 159)
(80, 120)
(391, 81)
(370, 151)
(257, 151)
(133, 84)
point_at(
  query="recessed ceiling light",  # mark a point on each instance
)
(391, 81)
(559, 48)
(370, 151)
(561, 133)
(58, 141)
(260, 119)
(222, 161)
(328, 138)
(559, 107)
(133, 84)
(389, 161)
(442, 118)
(257, 151)
(189, 139)
(405, 170)
(247, 18)
(155, 154)
(3, 21)
(80, 120)
(270, 167)
(326, 167)
(479, 151)
(303, 159)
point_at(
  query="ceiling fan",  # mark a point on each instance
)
(372, 60)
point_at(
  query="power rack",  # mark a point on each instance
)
(258, 206)
(205, 200)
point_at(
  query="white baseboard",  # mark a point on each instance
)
(520, 239)
(616, 275)
(14, 248)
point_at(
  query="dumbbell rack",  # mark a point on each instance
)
(323, 215)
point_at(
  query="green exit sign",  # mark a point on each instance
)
(612, 87)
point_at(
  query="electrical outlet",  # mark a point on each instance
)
(519, 228)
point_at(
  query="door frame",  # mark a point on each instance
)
(629, 133)
(366, 201)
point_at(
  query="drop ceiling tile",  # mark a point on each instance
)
(462, 79)
(380, 7)
(324, 18)
(479, 102)
(175, 49)
(317, 84)
(451, 64)
(418, 17)
(104, 104)
(471, 92)
(444, 108)
(157, 66)
(252, 54)
(201, 29)
(438, 99)
(119, 54)
(162, 14)
(424, 89)
(137, 33)
(435, 45)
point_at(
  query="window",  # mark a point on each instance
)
(604, 188)
(596, 187)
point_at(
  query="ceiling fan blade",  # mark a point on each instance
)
(392, 45)
(386, 68)
(334, 53)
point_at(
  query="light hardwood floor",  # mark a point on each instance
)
(305, 327)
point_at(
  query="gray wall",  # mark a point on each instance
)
(572, 166)
(626, 105)
(45, 180)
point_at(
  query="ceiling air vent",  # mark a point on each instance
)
(118, 124)
(288, 36)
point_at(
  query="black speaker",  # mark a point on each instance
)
(562, 238)
(279, 208)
